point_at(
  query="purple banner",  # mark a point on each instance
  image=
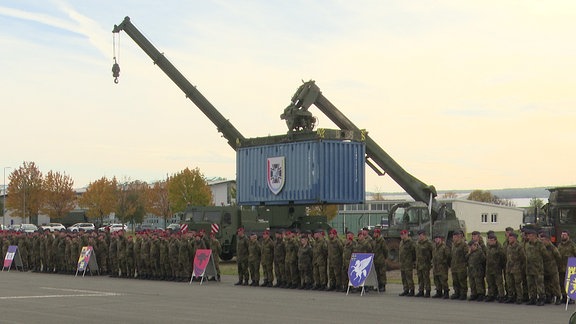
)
(359, 268)
(570, 280)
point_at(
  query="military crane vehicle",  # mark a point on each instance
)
(409, 216)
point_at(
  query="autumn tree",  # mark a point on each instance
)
(158, 202)
(449, 195)
(59, 195)
(330, 211)
(188, 187)
(100, 198)
(488, 197)
(131, 207)
(25, 194)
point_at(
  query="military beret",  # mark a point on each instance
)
(471, 243)
(402, 232)
(421, 232)
(319, 230)
(490, 232)
(438, 235)
(566, 231)
(377, 230)
(240, 229)
(530, 231)
(543, 234)
(288, 232)
(491, 236)
(458, 232)
(513, 234)
(509, 229)
(475, 233)
(334, 231)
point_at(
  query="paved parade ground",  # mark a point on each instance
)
(27, 297)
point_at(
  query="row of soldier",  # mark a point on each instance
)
(149, 255)
(530, 270)
(306, 260)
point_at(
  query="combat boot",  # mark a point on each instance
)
(427, 294)
(419, 294)
(480, 298)
(540, 302)
(238, 283)
(438, 294)
(455, 296)
(473, 297)
(404, 293)
(411, 293)
(532, 301)
(489, 299)
(446, 294)
(264, 283)
(558, 301)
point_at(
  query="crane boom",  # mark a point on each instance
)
(232, 135)
(309, 93)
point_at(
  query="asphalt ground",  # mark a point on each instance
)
(27, 297)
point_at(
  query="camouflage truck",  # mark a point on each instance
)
(225, 221)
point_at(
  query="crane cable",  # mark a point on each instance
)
(115, 66)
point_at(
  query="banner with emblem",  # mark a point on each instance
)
(87, 261)
(276, 175)
(203, 266)
(361, 272)
(570, 280)
(12, 257)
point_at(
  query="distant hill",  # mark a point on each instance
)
(510, 193)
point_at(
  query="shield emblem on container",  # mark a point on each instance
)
(276, 174)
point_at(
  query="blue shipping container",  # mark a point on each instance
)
(301, 173)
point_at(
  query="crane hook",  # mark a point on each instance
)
(115, 71)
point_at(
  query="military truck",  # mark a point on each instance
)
(558, 215)
(225, 221)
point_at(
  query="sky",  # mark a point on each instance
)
(462, 94)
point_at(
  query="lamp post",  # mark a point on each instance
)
(4, 196)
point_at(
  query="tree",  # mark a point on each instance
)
(131, 207)
(449, 195)
(25, 194)
(488, 197)
(330, 211)
(536, 203)
(59, 195)
(188, 187)
(100, 198)
(158, 202)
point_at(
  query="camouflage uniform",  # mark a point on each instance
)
(335, 261)
(380, 249)
(279, 257)
(552, 284)
(254, 258)
(242, 258)
(535, 252)
(173, 251)
(112, 256)
(216, 248)
(155, 257)
(407, 258)
(184, 255)
(495, 265)
(476, 264)
(320, 255)
(291, 262)
(440, 265)
(459, 269)
(305, 256)
(347, 249)
(423, 266)
(515, 266)
(267, 260)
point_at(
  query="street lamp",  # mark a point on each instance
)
(4, 202)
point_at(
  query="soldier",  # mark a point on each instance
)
(112, 255)
(440, 265)
(567, 249)
(407, 258)
(535, 252)
(185, 254)
(216, 248)
(347, 249)
(305, 256)
(320, 260)
(279, 257)
(164, 257)
(551, 260)
(254, 257)
(476, 263)
(242, 257)
(495, 264)
(515, 266)
(173, 251)
(380, 249)
(334, 260)
(423, 264)
(267, 259)
(155, 257)
(458, 266)
(291, 261)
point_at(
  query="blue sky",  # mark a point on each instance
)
(462, 94)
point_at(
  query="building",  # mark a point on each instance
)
(478, 216)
